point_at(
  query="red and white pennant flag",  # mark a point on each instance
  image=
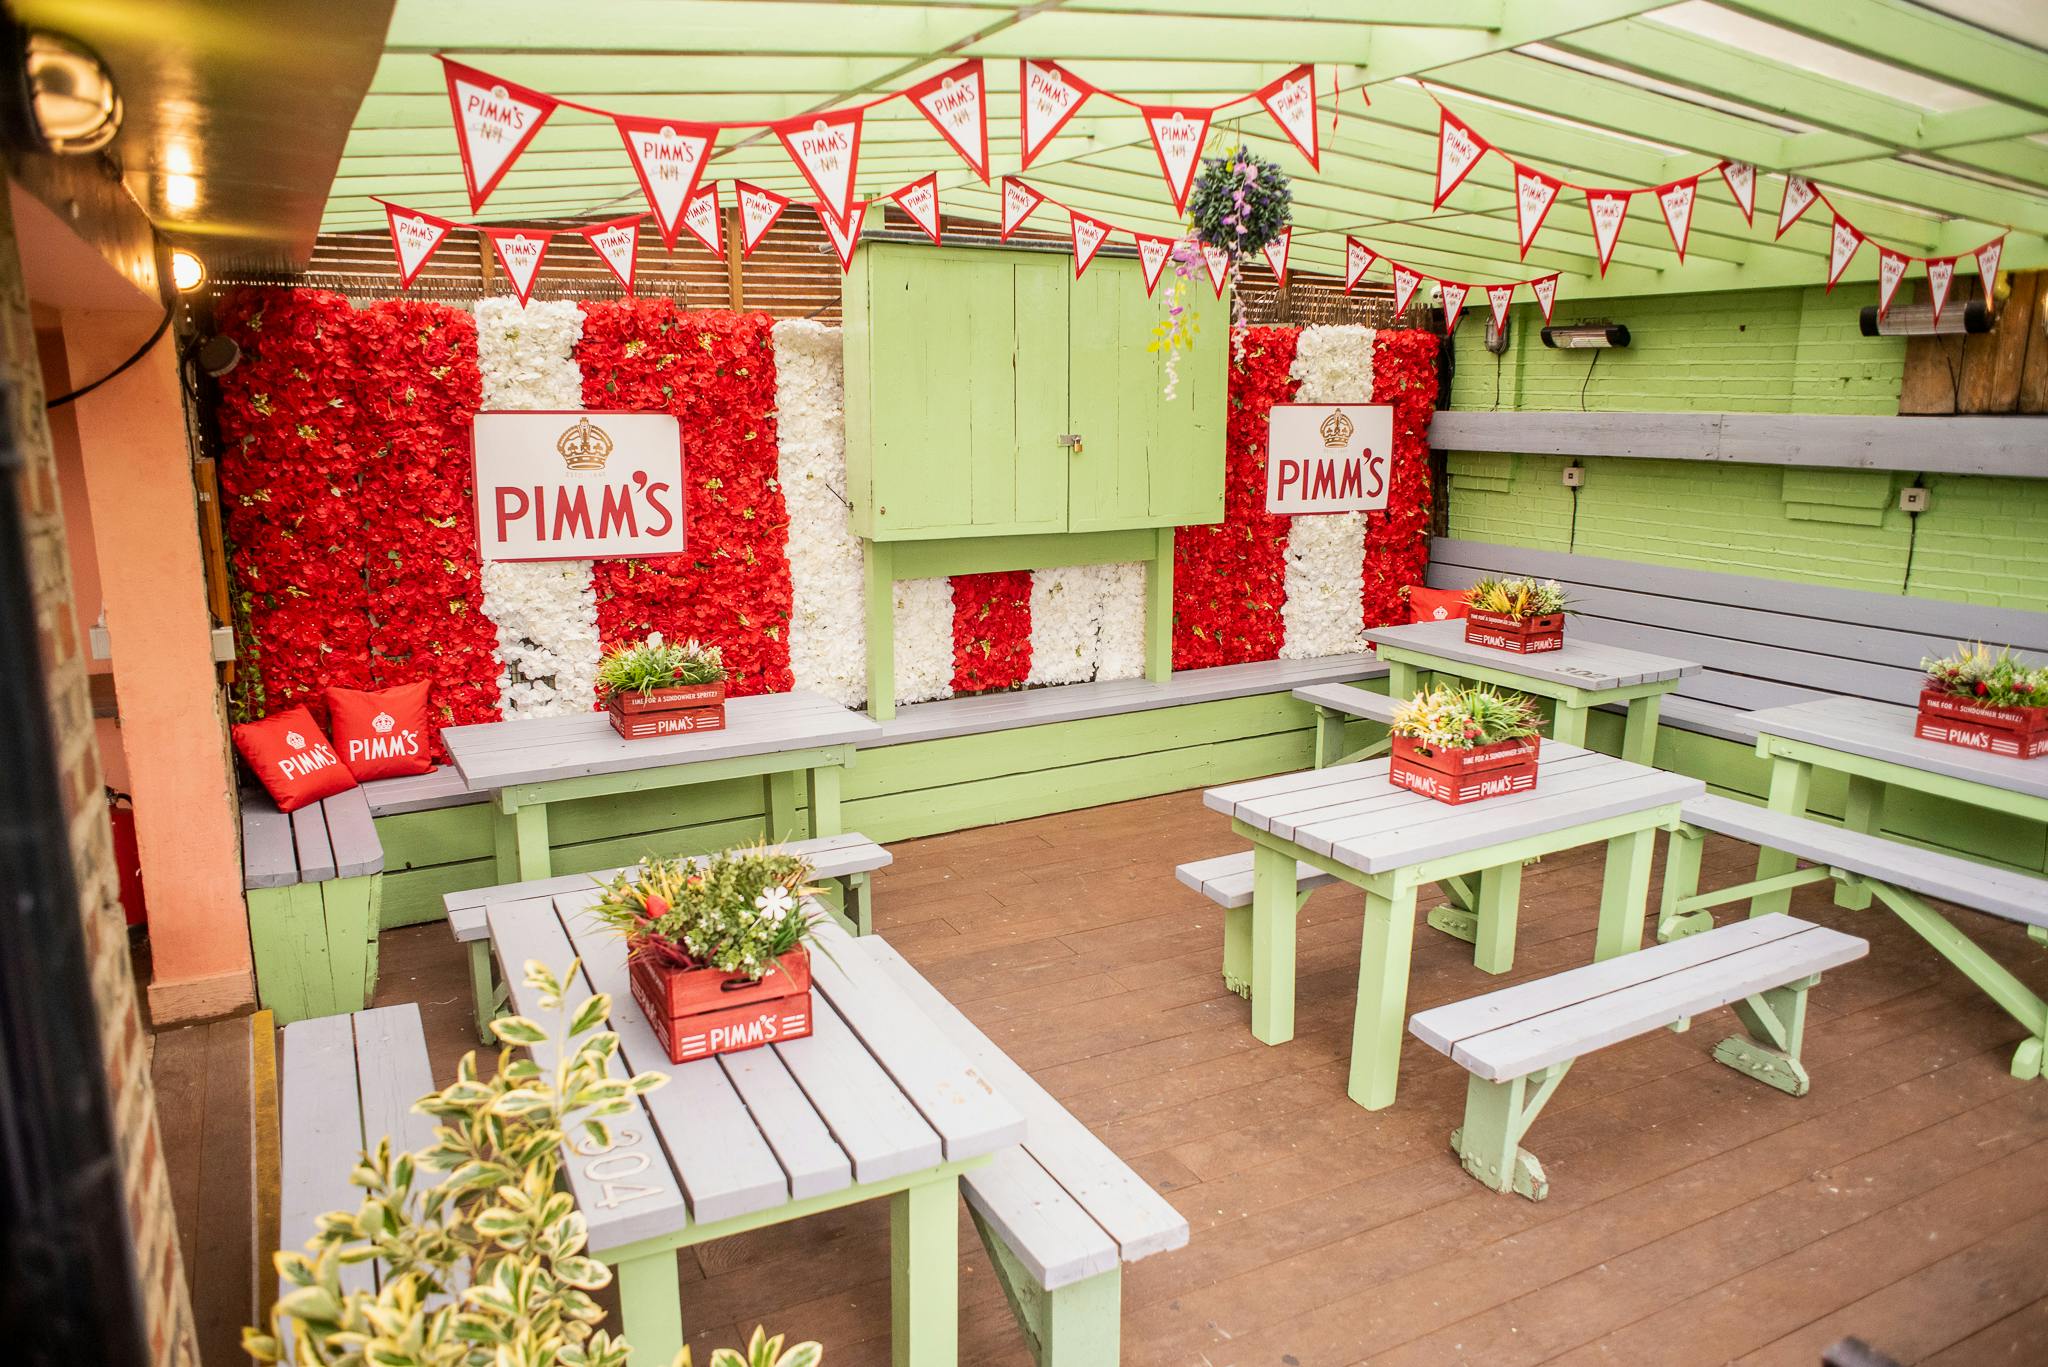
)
(703, 219)
(1842, 245)
(1218, 262)
(1405, 282)
(1453, 295)
(1358, 259)
(1152, 256)
(1676, 200)
(494, 121)
(1608, 208)
(1276, 253)
(826, 148)
(520, 251)
(1458, 150)
(617, 244)
(1891, 270)
(759, 209)
(1089, 235)
(956, 102)
(1545, 291)
(1534, 194)
(1988, 257)
(920, 199)
(1498, 297)
(1177, 136)
(1019, 200)
(1799, 197)
(1048, 95)
(1741, 179)
(669, 158)
(414, 236)
(1941, 273)
(845, 233)
(1291, 101)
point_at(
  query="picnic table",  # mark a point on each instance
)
(1353, 824)
(1580, 676)
(528, 763)
(874, 1103)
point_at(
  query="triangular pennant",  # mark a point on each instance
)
(1358, 259)
(617, 244)
(1799, 197)
(1218, 262)
(520, 251)
(1291, 101)
(845, 233)
(1152, 255)
(1546, 295)
(1842, 245)
(1089, 235)
(826, 148)
(1453, 296)
(1987, 267)
(1498, 297)
(414, 236)
(1741, 179)
(1276, 253)
(1891, 269)
(1048, 95)
(1534, 194)
(669, 158)
(759, 209)
(1177, 136)
(703, 219)
(1019, 200)
(494, 120)
(920, 199)
(1676, 200)
(1405, 282)
(956, 102)
(1941, 273)
(1608, 208)
(1458, 150)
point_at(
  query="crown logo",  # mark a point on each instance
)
(585, 446)
(1336, 430)
(295, 740)
(382, 723)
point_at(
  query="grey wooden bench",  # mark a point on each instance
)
(1901, 876)
(1227, 881)
(1518, 1043)
(1059, 1213)
(849, 859)
(1336, 705)
(313, 882)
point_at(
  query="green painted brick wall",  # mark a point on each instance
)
(1769, 351)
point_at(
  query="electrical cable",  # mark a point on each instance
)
(1588, 380)
(142, 351)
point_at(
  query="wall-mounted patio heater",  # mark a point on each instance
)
(1586, 336)
(1917, 320)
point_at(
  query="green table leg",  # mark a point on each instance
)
(651, 1306)
(1639, 732)
(1404, 680)
(1862, 810)
(1273, 913)
(825, 800)
(1568, 724)
(1500, 901)
(1382, 1015)
(1791, 783)
(924, 1283)
(521, 837)
(1625, 894)
(778, 806)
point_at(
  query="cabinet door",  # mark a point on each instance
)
(964, 371)
(1145, 460)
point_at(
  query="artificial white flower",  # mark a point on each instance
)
(775, 903)
(1324, 611)
(924, 639)
(827, 617)
(1087, 623)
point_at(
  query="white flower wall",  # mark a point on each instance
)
(827, 628)
(1325, 610)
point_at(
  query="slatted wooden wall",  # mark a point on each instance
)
(2004, 370)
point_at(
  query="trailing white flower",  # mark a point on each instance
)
(1120, 630)
(924, 639)
(1087, 623)
(1325, 566)
(827, 618)
(545, 611)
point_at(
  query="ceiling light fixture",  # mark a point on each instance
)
(71, 97)
(188, 272)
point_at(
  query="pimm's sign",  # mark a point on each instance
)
(1328, 457)
(578, 486)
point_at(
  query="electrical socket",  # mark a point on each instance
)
(1574, 476)
(1913, 499)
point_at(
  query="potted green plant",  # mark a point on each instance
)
(655, 687)
(1985, 700)
(1458, 744)
(717, 947)
(1524, 616)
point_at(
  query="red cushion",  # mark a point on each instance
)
(292, 758)
(1435, 605)
(382, 734)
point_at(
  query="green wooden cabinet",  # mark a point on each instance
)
(965, 368)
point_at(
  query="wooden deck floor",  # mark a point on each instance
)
(1694, 1216)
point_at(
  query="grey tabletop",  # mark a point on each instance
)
(1884, 731)
(498, 754)
(1354, 814)
(873, 1093)
(1580, 664)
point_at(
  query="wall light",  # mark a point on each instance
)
(1586, 335)
(1917, 320)
(188, 273)
(71, 94)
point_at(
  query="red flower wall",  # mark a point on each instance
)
(991, 630)
(1397, 540)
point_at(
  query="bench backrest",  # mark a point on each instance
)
(1764, 642)
(332, 838)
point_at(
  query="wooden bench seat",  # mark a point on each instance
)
(1060, 1213)
(313, 883)
(1227, 881)
(1518, 1042)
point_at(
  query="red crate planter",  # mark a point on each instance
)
(2010, 732)
(1519, 635)
(698, 1012)
(677, 699)
(1458, 776)
(668, 711)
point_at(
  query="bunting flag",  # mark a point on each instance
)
(1842, 245)
(1534, 194)
(1799, 197)
(1048, 95)
(1498, 297)
(1941, 273)
(1405, 282)
(520, 251)
(1089, 235)
(414, 236)
(920, 199)
(956, 102)
(1152, 255)
(759, 209)
(826, 148)
(1276, 253)
(1741, 179)
(1676, 200)
(494, 121)
(1358, 259)
(1546, 295)
(1458, 150)
(1291, 101)
(669, 158)
(1987, 267)
(703, 218)
(1891, 269)
(1608, 208)
(1177, 136)
(1218, 262)
(845, 233)
(1453, 295)
(617, 244)
(1019, 200)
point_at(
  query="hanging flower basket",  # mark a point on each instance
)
(1240, 203)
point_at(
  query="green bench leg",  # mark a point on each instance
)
(1486, 920)
(1075, 1326)
(1776, 1021)
(1625, 894)
(1791, 783)
(2012, 996)
(1382, 1015)
(315, 946)
(1274, 907)
(1862, 810)
(651, 1306)
(485, 990)
(860, 903)
(1681, 881)
(1497, 1116)
(1237, 951)
(1329, 736)
(924, 1282)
